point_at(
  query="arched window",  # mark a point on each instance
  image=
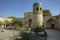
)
(29, 20)
(40, 8)
(37, 9)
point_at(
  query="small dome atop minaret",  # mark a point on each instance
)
(36, 4)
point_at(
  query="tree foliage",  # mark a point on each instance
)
(11, 17)
(46, 12)
(1, 23)
(7, 23)
(17, 22)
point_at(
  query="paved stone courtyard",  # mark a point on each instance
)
(53, 34)
(9, 34)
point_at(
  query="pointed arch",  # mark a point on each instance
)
(50, 23)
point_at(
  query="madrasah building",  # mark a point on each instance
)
(46, 21)
(36, 18)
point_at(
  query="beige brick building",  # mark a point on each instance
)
(48, 21)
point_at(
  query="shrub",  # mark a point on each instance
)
(38, 29)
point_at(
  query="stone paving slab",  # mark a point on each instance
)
(53, 34)
(8, 34)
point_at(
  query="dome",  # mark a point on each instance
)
(36, 3)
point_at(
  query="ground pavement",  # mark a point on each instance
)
(7, 34)
(53, 34)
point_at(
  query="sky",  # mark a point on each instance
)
(17, 8)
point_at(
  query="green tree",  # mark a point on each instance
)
(7, 23)
(46, 12)
(1, 23)
(17, 22)
(11, 17)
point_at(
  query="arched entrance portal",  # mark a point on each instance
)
(50, 23)
(30, 21)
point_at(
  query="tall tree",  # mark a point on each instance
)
(46, 12)
(7, 23)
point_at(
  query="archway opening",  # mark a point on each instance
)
(52, 26)
(50, 23)
(30, 21)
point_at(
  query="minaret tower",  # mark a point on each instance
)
(37, 14)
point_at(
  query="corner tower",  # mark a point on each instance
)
(37, 14)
